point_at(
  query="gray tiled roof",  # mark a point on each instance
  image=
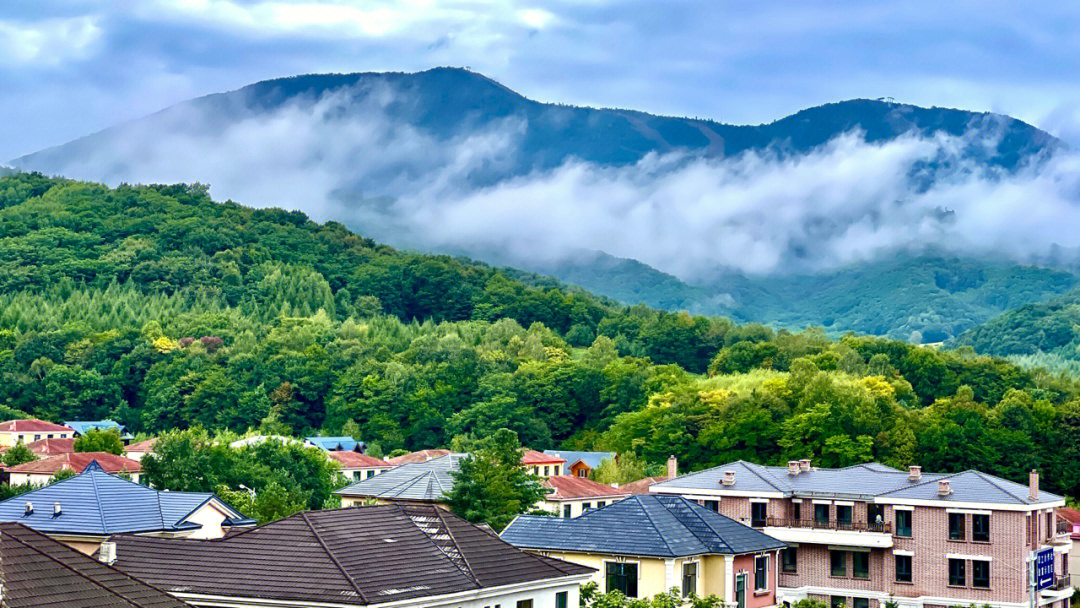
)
(646, 524)
(427, 481)
(863, 481)
(592, 459)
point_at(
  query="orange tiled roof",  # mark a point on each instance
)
(52, 447)
(531, 457)
(77, 461)
(421, 456)
(568, 487)
(142, 446)
(355, 460)
(33, 425)
(641, 486)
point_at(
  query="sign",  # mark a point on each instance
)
(1044, 569)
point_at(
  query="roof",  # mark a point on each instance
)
(862, 481)
(78, 461)
(356, 460)
(1068, 514)
(532, 457)
(98, 504)
(32, 425)
(81, 426)
(591, 459)
(335, 443)
(643, 525)
(141, 446)
(352, 556)
(428, 481)
(420, 456)
(568, 487)
(641, 486)
(39, 572)
(52, 447)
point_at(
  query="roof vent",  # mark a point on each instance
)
(57, 510)
(914, 473)
(944, 488)
(29, 509)
(793, 467)
(107, 553)
(804, 464)
(729, 478)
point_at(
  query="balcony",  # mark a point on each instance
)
(1062, 528)
(1061, 582)
(856, 534)
(857, 526)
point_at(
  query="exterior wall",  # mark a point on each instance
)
(546, 470)
(211, 520)
(744, 564)
(360, 473)
(579, 469)
(653, 574)
(8, 438)
(359, 501)
(41, 479)
(577, 505)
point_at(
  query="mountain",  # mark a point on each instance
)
(1045, 334)
(839, 214)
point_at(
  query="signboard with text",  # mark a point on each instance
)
(1044, 569)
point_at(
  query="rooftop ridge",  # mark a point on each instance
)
(97, 497)
(468, 567)
(753, 469)
(652, 522)
(990, 479)
(333, 558)
(686, 503)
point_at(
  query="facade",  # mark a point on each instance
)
(581, 464)
(541, 464)
(357, 466)
(136, 451)
(425, 482)
(1069, 519)
(649, 544)
(572, 496)
(41, 472)
(388, 555)
(335, 444)
(863, 535)
(28, 431)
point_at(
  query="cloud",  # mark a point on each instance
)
(48, 42)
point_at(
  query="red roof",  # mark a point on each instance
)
(52, 447)
(531, 457)
(641, 486)
(421, 456)
(355, 460)
(1070, 515)
(77, 461)
(142, 446)
(568, 487)
(33, 425)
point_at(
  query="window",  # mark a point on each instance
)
(980, 574)
(821, 515)
(37, 437)
(740, 591)
(903, 568)
(582, 473)
(761, 573)
(837, 563)
(370, 474)
(600, 503)
(860, 564)
(957, 573)
(524, 604)
(956, 526)
(843, 515)
(903, 523)
(585, 506)
(861, 602)
(713, 505)
(796, 510)
(561, 599)
(980, 528)
(622, 577)
(837, 601)
(566, 511)
(546, 469)
(789, 559)
(757, 514)
(689, 578)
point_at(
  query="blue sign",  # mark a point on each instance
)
(1044, 569)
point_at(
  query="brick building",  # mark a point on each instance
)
(861, 536)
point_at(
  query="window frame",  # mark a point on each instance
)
(974, 576)
(855, 556)
(761, 566)
(900, 530)
(850, 510)
(975, 533)
(755, 520)
(834, 604)
(833, 553)
(562, 599)
(568, 511)
(910, 571)
(957, 527)
(962, 563)
(855, 602)
(525, 603)
(695, 564)
(608, 564)
(712, 505)
(791, 550)
(821, 521)
(796, 511)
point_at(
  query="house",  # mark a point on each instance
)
(51, 447)
(85, 510)
(648, 544)
(27, 431)
(335, 444)
(426, 482)
(38, 572)
(541, 464)
(571, 496)
(642, 485)
(582, 464)
(82, 426)
(41, 472)
(377, 556)
(1069, 520)
(868, 534)
(136, 451)
(420, 456)
(357, 466)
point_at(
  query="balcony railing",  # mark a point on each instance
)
(1061, 582)
(855, 526)
(1063, 527)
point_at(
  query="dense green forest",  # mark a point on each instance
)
(1046, 334)
(162, 309)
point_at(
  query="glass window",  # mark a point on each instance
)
(903, 523)
(689, 578)
(757, 514)
(524, 604)
(546, 469)
(740, 591)
(582, 473)
(370, 474)
(789, 559)
(980, 574)
(860, 564)
(821, 515)
(561, 599)
(761, 573)
(875, 517)
(796, 510)
(843, 515)
(861, 602)
(980, 528)
(903, 568)
(957, 573)
(838, 563)
(622, 577)
(837, 601)
(600, 503)
(585, 506)
(566, 511)
(713, 505)
(956, 526)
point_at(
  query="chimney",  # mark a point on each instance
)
(729, 478)
(57, 511)
(672, 467)
(914, 473)
(793, 467)
(804, 464)
(29, 509)
(107, 553)
(944, 488)
(1033, 485)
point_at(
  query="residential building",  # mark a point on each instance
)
(335, 444)
(866, 534)
(82, 426)
(136, 451)
(38, 572)
(541, 464)
(357, 466)
(1069, 520)
(571, 496)
(41, 472)
(51, 447)
(418, 456)
(86, 509)
(582, 464)
(426, 482)
(642, 485)
(27, 431)
(648, 544)
(387, 555)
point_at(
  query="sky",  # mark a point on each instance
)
(71, 68)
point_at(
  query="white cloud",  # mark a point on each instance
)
(48, 42)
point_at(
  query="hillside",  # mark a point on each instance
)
(1046, 334)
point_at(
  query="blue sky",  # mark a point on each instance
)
(70, 68)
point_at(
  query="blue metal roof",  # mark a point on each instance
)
(591, 459)
(81, 426)
(645, 524)
(429, 481)
(98, 504)
(335, 444)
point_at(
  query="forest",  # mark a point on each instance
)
(164, 310)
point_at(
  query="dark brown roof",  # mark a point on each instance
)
(358, 555)
(39, 572)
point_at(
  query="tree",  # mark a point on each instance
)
(274, 502)
(491, 485)
(63, 474)
(100, 440)
(19, 454)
